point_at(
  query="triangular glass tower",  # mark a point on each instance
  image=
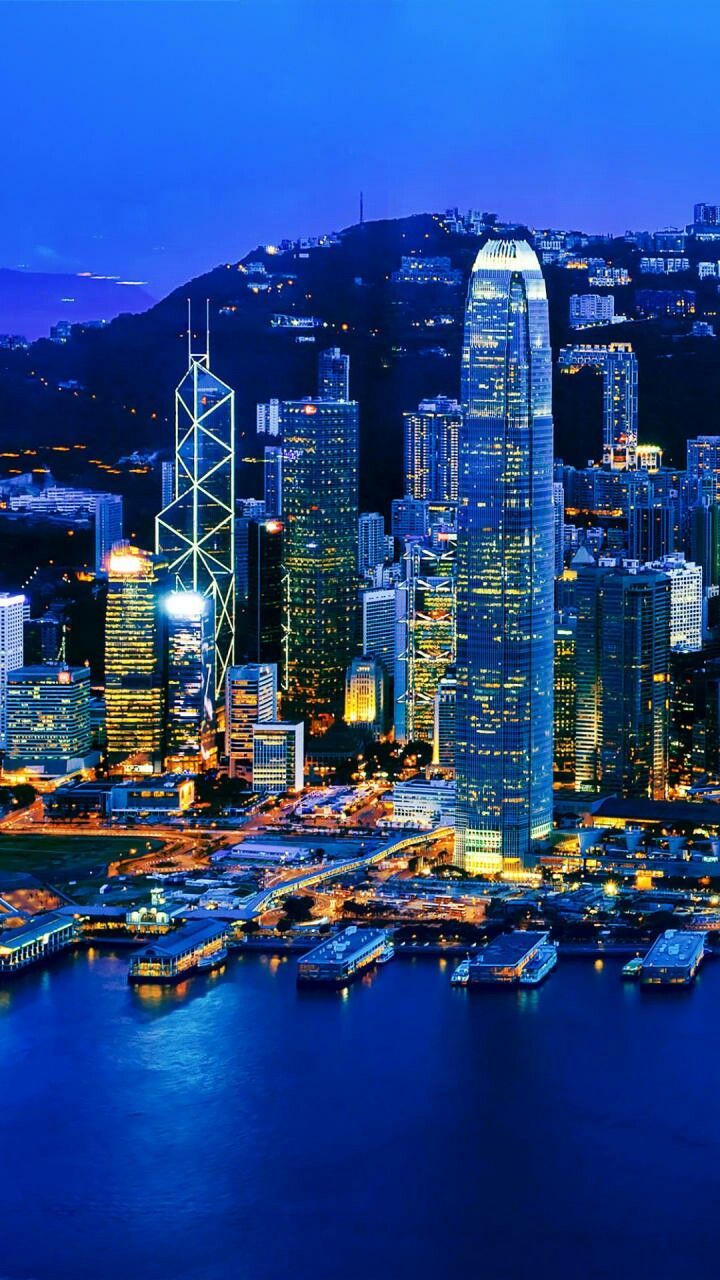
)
(195, 532)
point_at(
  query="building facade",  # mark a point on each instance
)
(278, 757)
(134, 651)
(189, 700)
(251, 697)
(196, 532)
(320, 500)
(505, 564)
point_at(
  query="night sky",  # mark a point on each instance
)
(153, 140)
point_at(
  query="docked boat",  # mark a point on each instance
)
(213, 961)
(633, 968)
(461, 975)
(387, 952)
(539, 966)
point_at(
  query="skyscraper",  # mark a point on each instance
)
(445, 723)
(134, 659)
(259, 597)
(12, 608)
(622, 666)
(431, 440)
(371, 540)
(278, 757)
(425, 636)
(272, 487)
(333, 375)
(250, 698)
(505, 564)
(195, 533)
(320, 500)
(378, 625)
(108, 527)
(365, 694)
(48, 719)
(189, 712)
(617, 364)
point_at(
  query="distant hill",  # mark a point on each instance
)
(404, 341)
(32, 301)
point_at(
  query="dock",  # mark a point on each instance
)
(343, 957)
(503, 961)
(177, 955)
(43, 936)
(673, 959)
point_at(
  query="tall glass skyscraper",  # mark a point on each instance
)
(195, 532)
(320, 505)
(189, 711)
(505, 564)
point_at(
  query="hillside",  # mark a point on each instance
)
(404, 341)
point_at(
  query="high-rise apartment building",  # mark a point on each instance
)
(167, 483)
(333, 375)
(703, 468)
(251, 697)
(12, 609)
(189, 703)
(134, 644)
(196, 532)
(371, 541)
(505, 564)
(431, 443)
(108, 527)
(320, 502)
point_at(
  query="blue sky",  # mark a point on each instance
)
(154, 140)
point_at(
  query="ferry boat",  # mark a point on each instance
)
(633, 968)
(387, 952)
(539, 966)
(213, 961)
(461, 975)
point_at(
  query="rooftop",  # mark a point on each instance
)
(509, 948)
(344, 945)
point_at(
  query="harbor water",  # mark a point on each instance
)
(237, 1127)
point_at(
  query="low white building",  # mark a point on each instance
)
(423, 804)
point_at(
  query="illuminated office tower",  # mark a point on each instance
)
(195, 533)
(189, 713)
(371, 541)
(365, 694)
(250, 698)
(431, 436)
(272, 495)
(48, 719)
(134, 698)
(425, 637)
(320, 503)
(622, 666)
(505, 564)
(444, 736)
(617, 364)
(12, 609)
(565, 692)
(108, 527)
(278, 757)
(333, 375)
